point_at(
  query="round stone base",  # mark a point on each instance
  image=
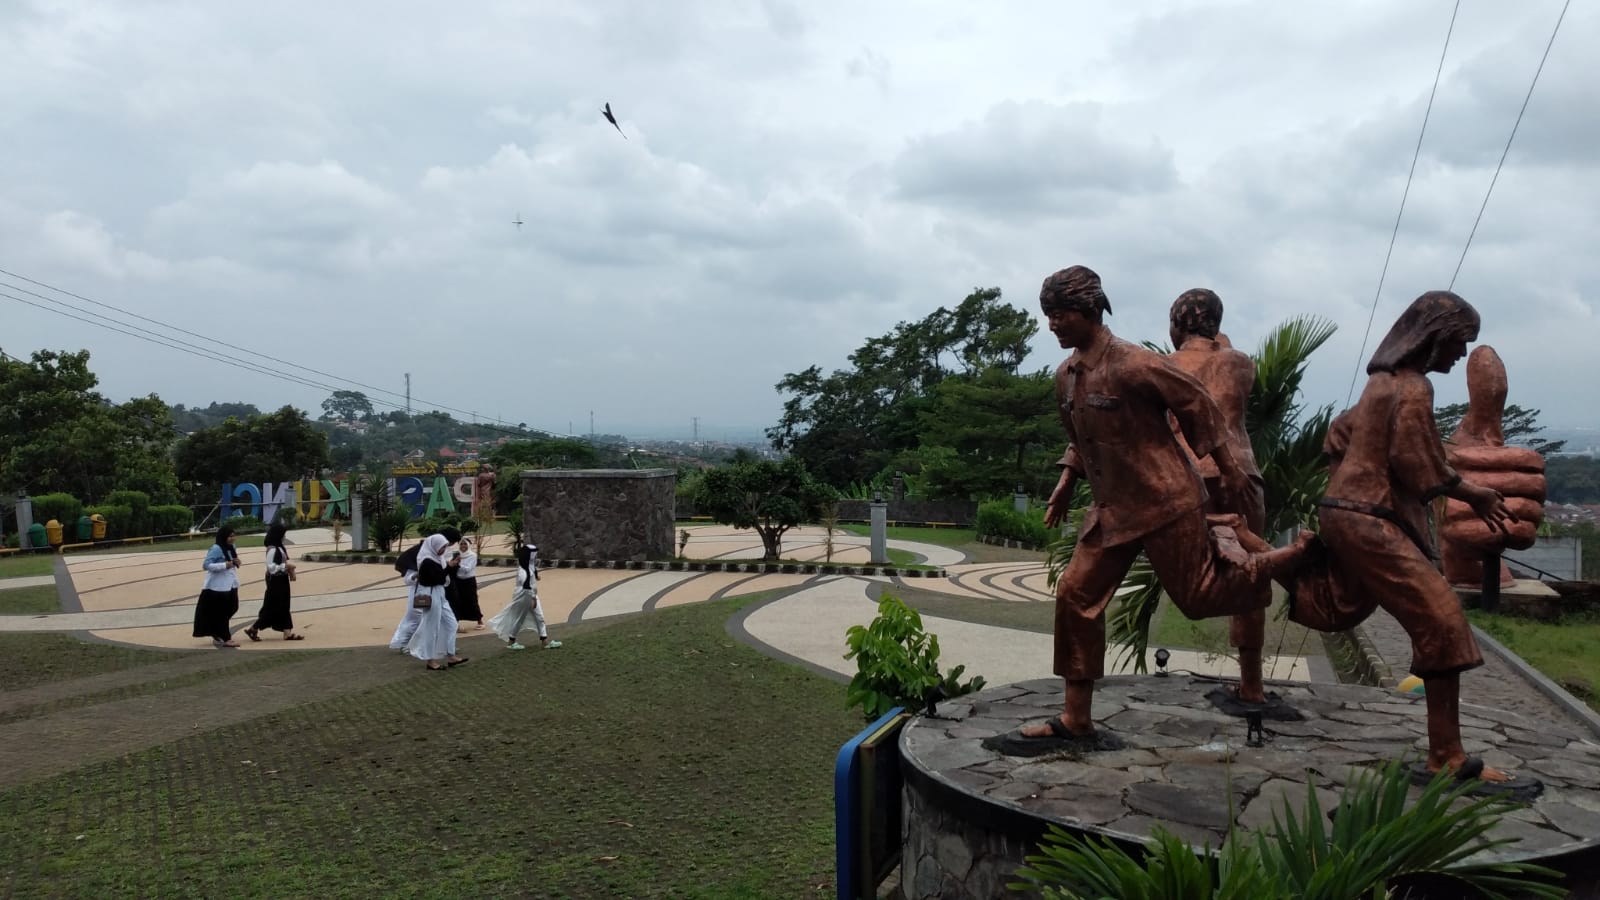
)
(972, 815)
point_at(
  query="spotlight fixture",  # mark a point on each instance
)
(1161, 662)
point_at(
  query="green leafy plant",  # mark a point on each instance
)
(829, 520)
(389, 526)
(897, 663)
(683, 540)
(1376, 845)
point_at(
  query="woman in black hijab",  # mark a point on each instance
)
(219, 597)
(275, 605)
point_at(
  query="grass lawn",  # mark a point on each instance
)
(1173, 630)
(32, 659)
(18, 565)
(29, 600)
(652, 757)
(1567, 652)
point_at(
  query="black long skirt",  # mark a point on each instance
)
(463, 596)
(275, 605)
(213, 612)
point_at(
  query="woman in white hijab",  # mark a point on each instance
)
(435, 639)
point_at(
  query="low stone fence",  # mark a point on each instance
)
(666, 565)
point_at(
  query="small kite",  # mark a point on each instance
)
(613, 120)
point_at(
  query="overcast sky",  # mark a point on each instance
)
(335, 184)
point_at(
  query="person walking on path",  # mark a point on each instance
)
(275, 605)
(435, 639)
(219, 597)
(406, 565)
(524, 603)
(464, 580)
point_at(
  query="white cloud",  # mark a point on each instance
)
(336, 184)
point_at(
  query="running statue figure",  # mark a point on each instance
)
(1387, 463)
(1114, 400)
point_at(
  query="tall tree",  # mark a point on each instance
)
(770, 497)
(59, 434)
(1000, 430)
(346, 406)
(282, 446)
(847, 425)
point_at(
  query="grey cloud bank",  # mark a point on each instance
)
(336, 184)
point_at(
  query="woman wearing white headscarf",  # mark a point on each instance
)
(435, 639)
(524, 605)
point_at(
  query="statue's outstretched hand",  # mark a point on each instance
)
(1491, 507)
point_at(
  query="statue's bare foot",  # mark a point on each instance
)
(1281, 563)
(1249, 693)
(1046, 729)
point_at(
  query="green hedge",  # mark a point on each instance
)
(119, 522)
(1000, 519)
(171, 519)
(138, 503)
(64, 508)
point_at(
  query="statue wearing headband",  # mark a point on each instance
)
(1114, 398)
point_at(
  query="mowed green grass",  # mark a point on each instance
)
(654, 757)
(1567, 652)
(16, 601)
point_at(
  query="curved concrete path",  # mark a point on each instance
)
(147, 599)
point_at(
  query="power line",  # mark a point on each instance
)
(172, 327)
(407, 396)
(1415, 154)
(1512, 137)
(186, 347)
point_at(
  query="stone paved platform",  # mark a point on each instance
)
(1188, 769)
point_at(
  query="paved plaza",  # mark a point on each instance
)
(147, 599)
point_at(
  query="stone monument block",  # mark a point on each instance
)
(600, 514)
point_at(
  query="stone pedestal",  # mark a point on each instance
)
(1522, 597)
(599, 514)
(972, 815)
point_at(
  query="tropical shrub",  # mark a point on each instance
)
(1377, 846)
(897, 663)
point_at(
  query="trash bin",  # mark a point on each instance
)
(85, 528)
(97, 524)
(36, 536)
(52, 531)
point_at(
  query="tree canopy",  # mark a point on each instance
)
(282, 446)
(849, 425)
(346, 406)
(57, 433)
(770, 497)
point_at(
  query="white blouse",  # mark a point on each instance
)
(469, 565)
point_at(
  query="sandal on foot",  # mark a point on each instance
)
(294, 637)
(1015, 743)
(432, 667)
(1520, 788)
(460, 662)
(253, 634)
